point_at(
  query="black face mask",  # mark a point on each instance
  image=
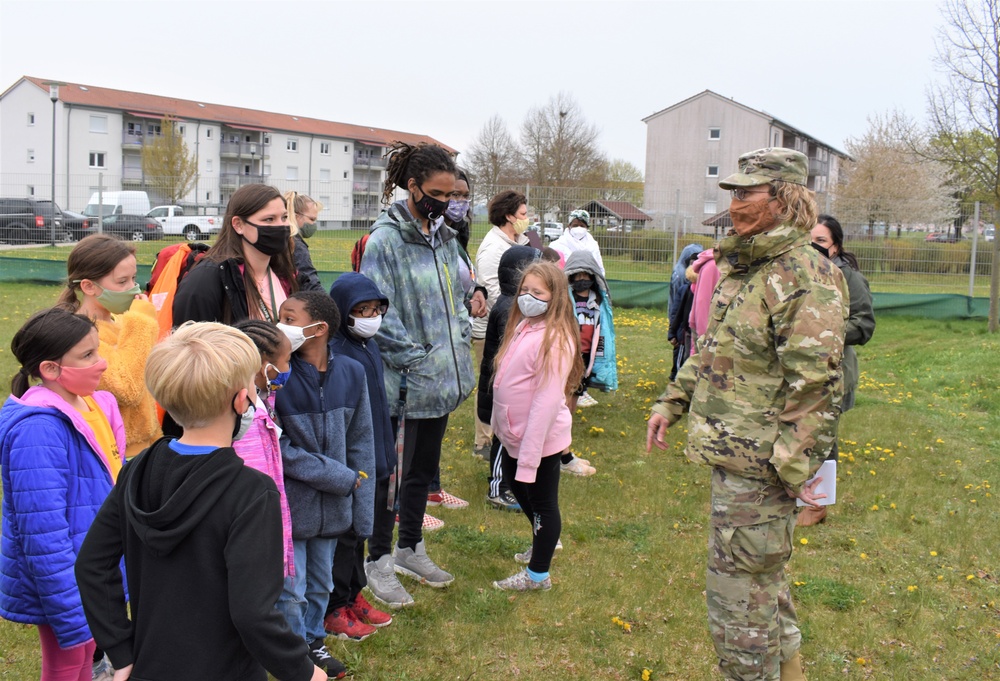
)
(270, 240)
(822, 250)
(582, 285)
(429, 207)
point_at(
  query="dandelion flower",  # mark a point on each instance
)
(933, 554)
(803, 541)
(911, 588)
(646, 674)
(864, 556)
(874, 507)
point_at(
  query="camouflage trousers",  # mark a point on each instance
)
(750, 613)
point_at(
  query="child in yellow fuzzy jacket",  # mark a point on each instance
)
(102, 269)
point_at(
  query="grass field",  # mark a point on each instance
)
(900, 583)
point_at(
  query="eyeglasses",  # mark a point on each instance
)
(741, 194)
(369, 310)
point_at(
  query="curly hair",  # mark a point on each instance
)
(503, 204)
(419, 162)
(797, 204)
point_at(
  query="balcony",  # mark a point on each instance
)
(817, 167)
(368, 161)
(361, 212)
(370, 187)
(232, 180)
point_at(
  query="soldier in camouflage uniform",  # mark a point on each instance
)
(762, 395)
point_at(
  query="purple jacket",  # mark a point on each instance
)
(54, 481)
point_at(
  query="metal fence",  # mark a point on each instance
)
(903, 247)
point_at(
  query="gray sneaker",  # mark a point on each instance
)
(415, 563)
(525, 557)
(384, 584)
(522, 582)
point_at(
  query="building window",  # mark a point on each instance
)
(267, 169)
(345, 174)
(292, 173)
(324, 148)
(154, 129)
(710, 207)
(31, 119)
(208, 133)
(97, 159)
(714, 133)
(31, 190)
(246, 169)
(267, 138)
(180, 130)
(346, 149)
(208, 196)
(99, 124)
(208, 165)
(292, 145)
(324, 174)
(31, 155)
(712, 171)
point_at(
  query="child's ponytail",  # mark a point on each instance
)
(46, 336)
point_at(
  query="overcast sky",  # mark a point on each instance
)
(443, 68)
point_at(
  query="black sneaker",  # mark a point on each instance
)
(505, 501)
(320, 657)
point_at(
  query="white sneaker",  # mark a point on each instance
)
(522, 582)
(384, 585)
(585, 400)
(577, 467)
(415, 563)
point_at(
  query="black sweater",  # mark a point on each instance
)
(201, 536)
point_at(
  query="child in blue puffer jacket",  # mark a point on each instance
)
(61, 447)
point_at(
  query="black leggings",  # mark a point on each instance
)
(421, 457)
(540, 503)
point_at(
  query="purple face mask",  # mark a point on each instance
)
(457, 210)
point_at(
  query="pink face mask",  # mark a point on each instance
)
(81, 380)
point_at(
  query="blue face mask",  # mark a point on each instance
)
(278, 381)
(457, 210)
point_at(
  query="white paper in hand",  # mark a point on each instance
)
(828, 486)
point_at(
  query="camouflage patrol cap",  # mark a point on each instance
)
(764, 165)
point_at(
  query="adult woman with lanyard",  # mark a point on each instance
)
(248, 272)
(425, 335)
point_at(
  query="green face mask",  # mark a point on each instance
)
(307, 230)
(117, 302)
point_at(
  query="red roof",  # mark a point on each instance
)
(139, 104)
(623, 210)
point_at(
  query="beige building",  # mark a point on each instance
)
(694, 143)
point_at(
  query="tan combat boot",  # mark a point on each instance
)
(791, 670)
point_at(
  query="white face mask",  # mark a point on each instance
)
(296, 334)
(366, 327)
(532, 306)
(578, 233)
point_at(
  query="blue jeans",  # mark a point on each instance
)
(304, 598)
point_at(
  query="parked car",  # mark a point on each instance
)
(30, 221)
(78, 225)
(549, 231)
(193, 227)
(989, 233)
(133, 227)
(941, 237)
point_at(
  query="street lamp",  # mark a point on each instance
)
(54, 96)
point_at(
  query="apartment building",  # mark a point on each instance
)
(693, 143)
(100, 134)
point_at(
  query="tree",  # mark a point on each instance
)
(494, 159)
(965, 107)
(166, 164)
(559, 146)
(890, 183)
(623, 182)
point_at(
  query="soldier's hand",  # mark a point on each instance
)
(656, 430)
(808, 493)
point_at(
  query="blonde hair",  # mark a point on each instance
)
(798, 205)
(297, 203)
(197, 370)
(562, 333)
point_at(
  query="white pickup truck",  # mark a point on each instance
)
(192, 227)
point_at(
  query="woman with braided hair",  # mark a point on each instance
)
(413, 258)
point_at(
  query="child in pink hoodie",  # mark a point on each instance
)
(706, 277)
(537, 367)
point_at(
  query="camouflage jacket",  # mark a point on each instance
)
(764, 391)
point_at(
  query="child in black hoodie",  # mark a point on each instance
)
(199, 530)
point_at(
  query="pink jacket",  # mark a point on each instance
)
(703, 288)
(260, 450)
(530, 416)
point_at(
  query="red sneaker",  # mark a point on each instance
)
(367, 614)
(343, 624)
